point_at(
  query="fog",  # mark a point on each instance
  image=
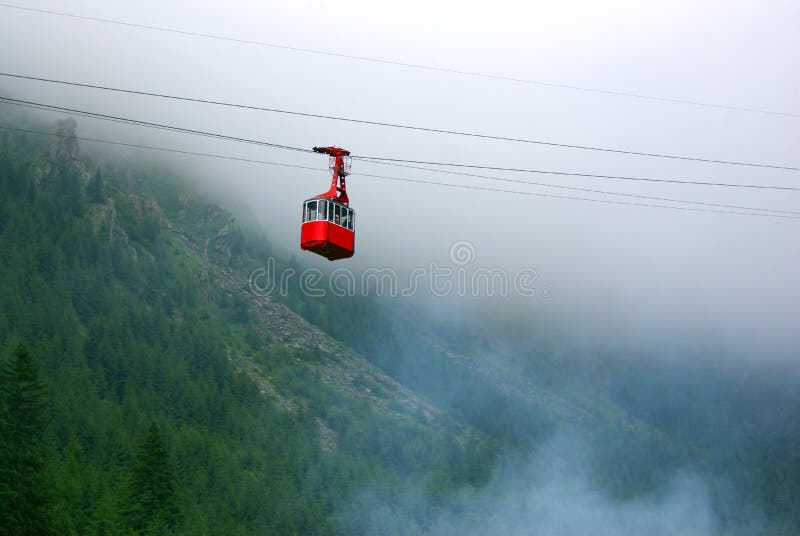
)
(634, 278)
(551, 493)
(634, 281)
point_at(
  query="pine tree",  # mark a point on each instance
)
(23, 496)
(152, 506)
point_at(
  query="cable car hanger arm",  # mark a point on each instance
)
(339, 163)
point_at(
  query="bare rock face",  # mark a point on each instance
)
(327, 437)
(147, 208)
(104, 223)
(63, 156)
(104, 218)
(65, 149)
(220, 248)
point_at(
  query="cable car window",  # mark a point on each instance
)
(352, 219)
(312, 210)
(331, 208)
(322, 211)
(337, 217)
(345, 218)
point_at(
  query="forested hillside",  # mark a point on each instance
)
(128, 330)
(126, 295)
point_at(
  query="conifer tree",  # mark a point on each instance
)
(152, 506)
(23, 493)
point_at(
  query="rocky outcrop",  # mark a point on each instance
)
(65, 148)
(220, 247)
(63, 156)
(327, 437)
(335, 364)
(104, 219)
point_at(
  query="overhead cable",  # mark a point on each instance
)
(771, 212)
(375, 159)
(414, 127)
(419, 66)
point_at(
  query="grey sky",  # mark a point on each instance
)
(637, 275)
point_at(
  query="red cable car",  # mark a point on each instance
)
(328, 222)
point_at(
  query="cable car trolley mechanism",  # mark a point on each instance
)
(328, 222)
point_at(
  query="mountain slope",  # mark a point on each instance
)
(134, 295)
(272, 424)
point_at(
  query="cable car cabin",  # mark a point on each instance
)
(328, 229)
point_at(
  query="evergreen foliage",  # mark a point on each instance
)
(128, 331)
(152, 506)
(23, 489)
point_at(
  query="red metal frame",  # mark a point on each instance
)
(340, 165)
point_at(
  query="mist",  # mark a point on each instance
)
(707, 302)
(551, 493)
(625, 276)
